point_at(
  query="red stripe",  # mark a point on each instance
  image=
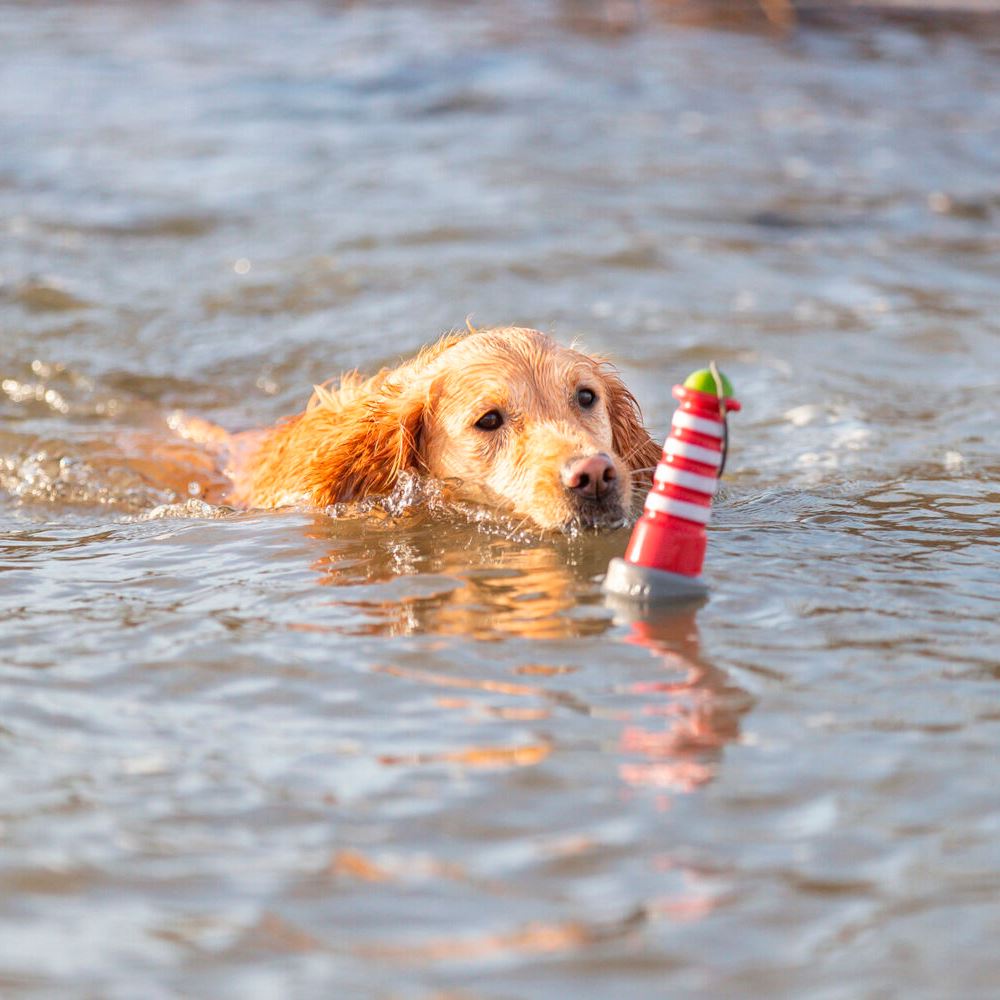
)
(693, 437)
(680, 493)
(680, 462)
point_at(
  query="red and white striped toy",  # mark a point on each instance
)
(664, 557)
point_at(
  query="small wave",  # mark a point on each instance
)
(190, 508)
(44, 388)
(47, 295)
(50, 475)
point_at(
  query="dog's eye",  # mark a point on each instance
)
(586, 398)
(491, 421)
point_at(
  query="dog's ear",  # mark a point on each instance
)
(379, 435)
(351, 442)
(346, 445)
(366, 445)
(630, 438)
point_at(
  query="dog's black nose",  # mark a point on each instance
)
(590, 477)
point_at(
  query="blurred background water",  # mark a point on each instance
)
(398, 752)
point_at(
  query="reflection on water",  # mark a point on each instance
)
(415, 575)
(404, 750)
(666, 734)
(678, 736)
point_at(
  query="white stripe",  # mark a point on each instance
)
(678, 508)
(695, 452)
(689, 480)
(713, 428)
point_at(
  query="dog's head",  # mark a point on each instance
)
(543, 431)
(506, 417)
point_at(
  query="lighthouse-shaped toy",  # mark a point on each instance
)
(664, 557)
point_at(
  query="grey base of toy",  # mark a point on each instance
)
(640, 583)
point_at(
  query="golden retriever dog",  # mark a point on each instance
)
(505, 418)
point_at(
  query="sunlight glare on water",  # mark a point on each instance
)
(398, 749)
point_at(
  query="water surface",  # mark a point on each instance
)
(405, 751)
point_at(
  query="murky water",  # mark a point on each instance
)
(400, 752)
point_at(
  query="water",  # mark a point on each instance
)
(404, 751)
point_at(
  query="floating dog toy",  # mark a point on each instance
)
(664, 557)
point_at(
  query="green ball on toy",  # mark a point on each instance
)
(704, 381)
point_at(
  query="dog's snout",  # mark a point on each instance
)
(590, 477)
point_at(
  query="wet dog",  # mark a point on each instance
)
(505, 417)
